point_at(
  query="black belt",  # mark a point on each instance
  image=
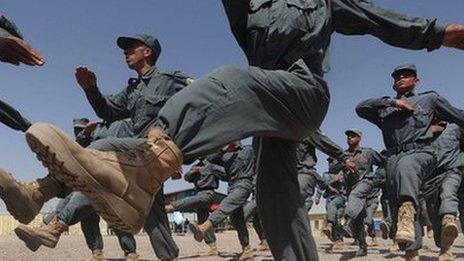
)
(405, 147)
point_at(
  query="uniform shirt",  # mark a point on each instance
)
(306, 151)
(339, 185)
(274, 34)
(8, 27)
(239, 164)
(141, 100)
(447, 146)
(365, 159)
(400, 127)
(207, 178)
(117, 129)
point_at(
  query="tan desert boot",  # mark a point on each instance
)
(449, 233)
(132, 257)
(97, 255)
(412, 256)
(375, 242)
(263, 246)
(393, 248)
(200, 230)
(211, 251)
(25, 200)
(48, 235)
(406, 231)
(247, 253)
(338, 245)
(120, 185)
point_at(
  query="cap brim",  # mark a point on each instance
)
(123, 42)
(352, 132)
(403, 70)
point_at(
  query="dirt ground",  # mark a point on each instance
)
(74, 248)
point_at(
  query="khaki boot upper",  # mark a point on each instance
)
(25, 200)
(247, 253)
(144, 169)
(406, 230)
(97, 255)
(211, 251)
(207, 225)
(132, 257)
(47, 235)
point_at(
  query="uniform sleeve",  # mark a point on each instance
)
(326, 145)
(218, 171)
(360, 17)
(449, 113)
(111, 108)
(190, 176)
(319, 191)
(369, 109)
(83, 138)
(8, 27)
(378, 159)
(13, 118)
(237, 14)
(216, 158)
(336, 167)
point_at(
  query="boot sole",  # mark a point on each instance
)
(400, 239)
(32, 241)
(12, 198)
(449, 234)
(69, 171)
(196, 232)
(209, 254)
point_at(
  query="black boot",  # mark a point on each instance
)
(362, 251)
(347, 228)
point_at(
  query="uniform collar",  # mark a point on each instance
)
(406, 95)
(149, 74)
(357, 150)
(146, 78)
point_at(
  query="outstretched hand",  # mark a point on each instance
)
(14, 50)
(85, 77)
(454, 36)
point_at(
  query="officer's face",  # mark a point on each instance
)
(137, 54)
(352, 139)
(405, 82)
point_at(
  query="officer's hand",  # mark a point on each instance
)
(454, 36)
(337, 177)
(15, 51)
(350, 166)
(437, 128)
(404, 105)
(317, 200)
(196, 169)
(334, 191)
(85, 78)
(90, 127)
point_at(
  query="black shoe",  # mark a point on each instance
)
(346, 229)
(362, 251)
